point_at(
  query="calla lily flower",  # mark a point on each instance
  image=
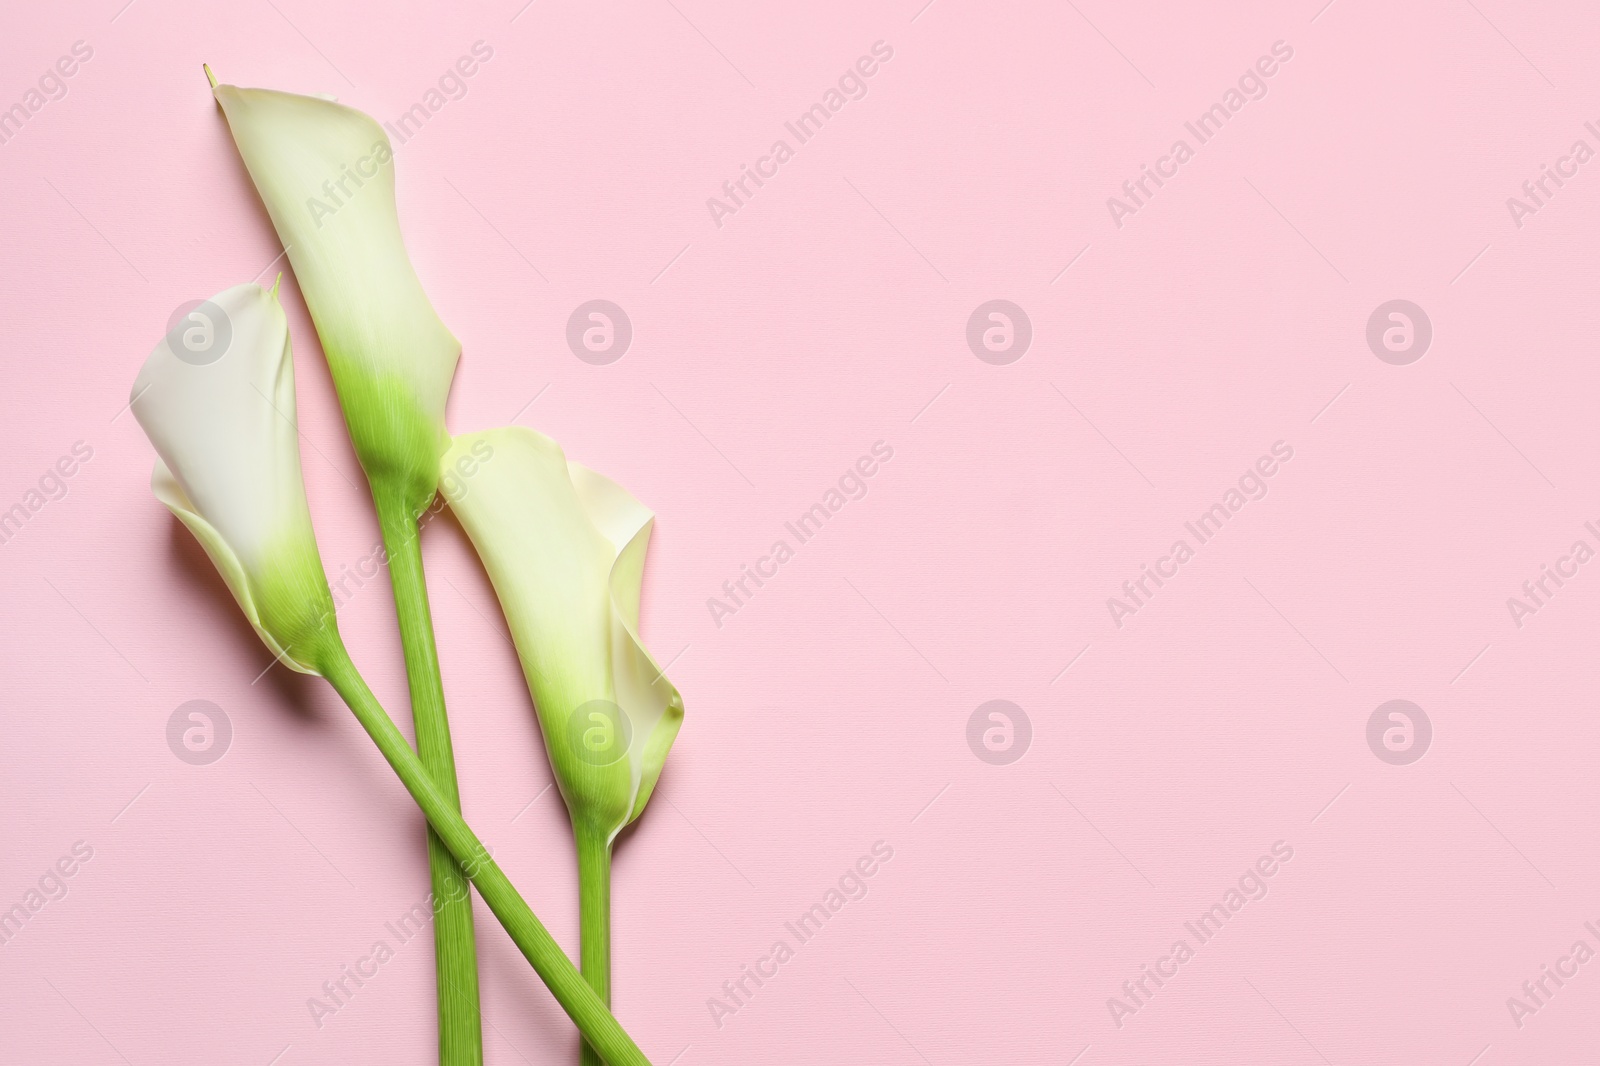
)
(565, 548)
(222, 419)
(326, 175)
(224, 426)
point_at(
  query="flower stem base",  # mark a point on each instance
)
(586, 1009)
(594, 920)
(456, 954)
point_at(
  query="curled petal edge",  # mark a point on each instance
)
(628, 524)
(169, 492)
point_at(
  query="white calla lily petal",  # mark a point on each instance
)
(326, 175)
(223, 424)
(564, 548)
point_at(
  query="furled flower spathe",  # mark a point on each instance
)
(565, 549)
(222, 419)
(326, 175)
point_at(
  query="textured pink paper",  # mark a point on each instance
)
(828, 311)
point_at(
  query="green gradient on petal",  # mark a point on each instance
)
(564, 548)
(325, 173)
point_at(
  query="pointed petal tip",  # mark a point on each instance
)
(212, 78)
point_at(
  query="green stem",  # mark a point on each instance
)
(594, 919)
(455, 952)
(586, 1009)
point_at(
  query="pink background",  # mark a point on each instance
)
(831, 711)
